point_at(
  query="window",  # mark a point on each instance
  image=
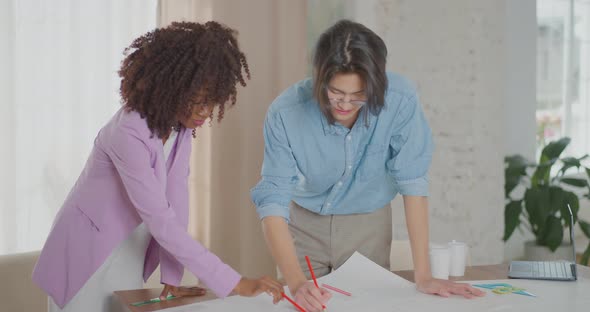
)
(60, 67)
(563, 74)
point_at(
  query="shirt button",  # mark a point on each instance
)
(349, 167)
(349, 137)
(329, 204)
(339, 183)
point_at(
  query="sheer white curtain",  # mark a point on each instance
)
(59, 62)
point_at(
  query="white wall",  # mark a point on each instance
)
(475, 66)
(8, 173)
(520, 105)
(454, 52)
(460, 57)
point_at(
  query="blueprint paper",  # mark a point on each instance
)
(374, 288)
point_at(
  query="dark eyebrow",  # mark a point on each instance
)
(340, 91)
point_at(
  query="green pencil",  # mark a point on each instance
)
(154, 300)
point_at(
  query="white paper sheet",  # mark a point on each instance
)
(374, 288)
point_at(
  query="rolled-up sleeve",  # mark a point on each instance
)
(274, 191)
(411, 145)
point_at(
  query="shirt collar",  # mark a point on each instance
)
(327, 127)
(338, 129)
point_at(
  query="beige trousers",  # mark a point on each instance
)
(331, 239)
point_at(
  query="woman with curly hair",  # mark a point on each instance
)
(128, 211)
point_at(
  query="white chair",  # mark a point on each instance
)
(17, 290)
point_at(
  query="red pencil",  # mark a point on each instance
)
(313, 276)
(293, 302)
(337, 290)
(311, 271)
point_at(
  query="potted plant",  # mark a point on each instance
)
(537, 201)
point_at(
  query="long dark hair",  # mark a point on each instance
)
(165, 69)
(349, 47)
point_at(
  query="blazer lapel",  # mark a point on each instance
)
(175, 152)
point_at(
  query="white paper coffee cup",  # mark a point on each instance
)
(440, 260)
(458, 257)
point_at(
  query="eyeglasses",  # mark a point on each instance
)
(335, 101)
(356, 103)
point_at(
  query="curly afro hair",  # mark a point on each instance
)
(168, 71)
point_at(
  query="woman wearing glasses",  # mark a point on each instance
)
(338, 148)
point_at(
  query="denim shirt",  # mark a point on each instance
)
(330, 169)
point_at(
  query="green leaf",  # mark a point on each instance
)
(517, 161)
(511, 218)
(571, 162)
(588, 172)
(555, 148)
(585, 226)
(541, 174)
(571, 199)
(586, 256)
(549, 156)
(553, 233)
(575, 182)
(515, 168)
(509, 185)
(536, 203)
(557, 200)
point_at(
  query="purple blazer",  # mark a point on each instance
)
(125, 182)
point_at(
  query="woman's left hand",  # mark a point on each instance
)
(181, 291)
(446, 288)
